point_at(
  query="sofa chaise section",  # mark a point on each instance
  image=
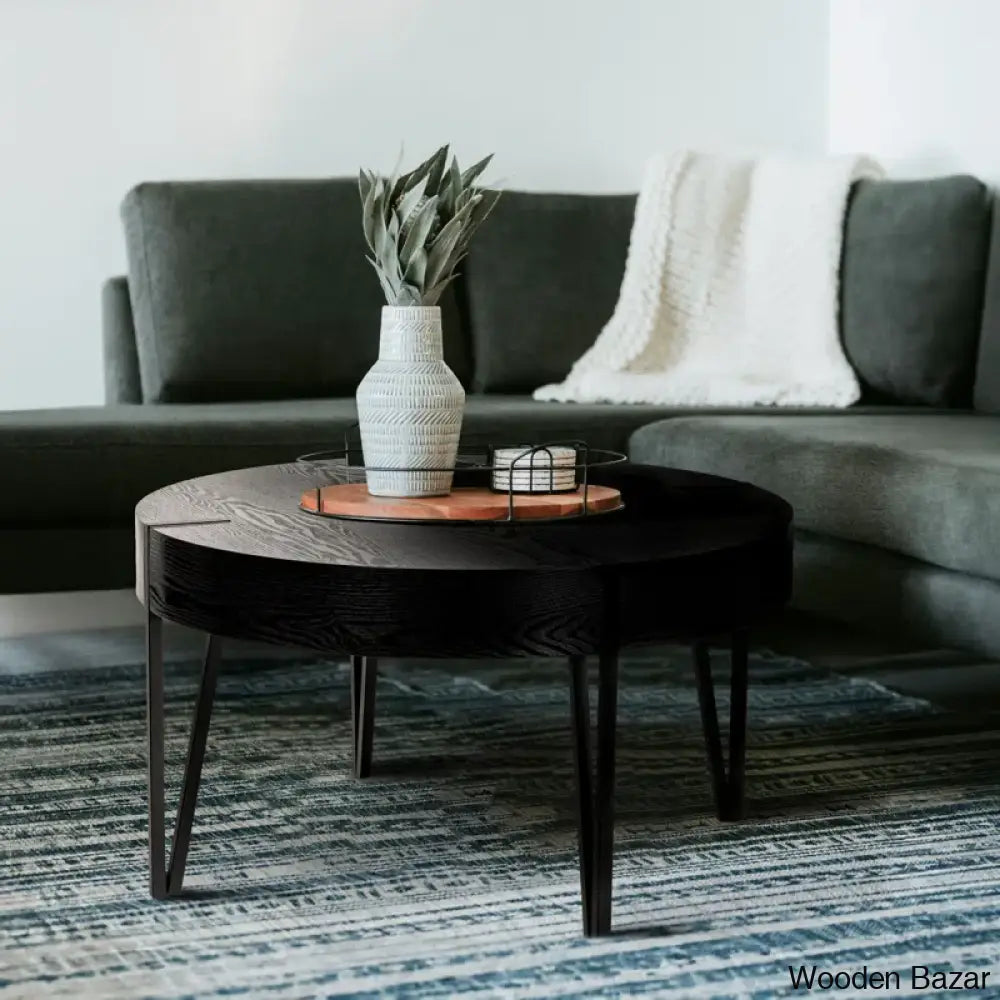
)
(897, 516)
(926, 486)
(918, 496)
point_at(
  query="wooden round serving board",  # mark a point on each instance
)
(463, 504)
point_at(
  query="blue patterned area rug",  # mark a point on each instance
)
(873, 839)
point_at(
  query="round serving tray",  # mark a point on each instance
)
(463, 505)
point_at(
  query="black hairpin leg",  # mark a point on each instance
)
(167, 878)
(364, 678)
(595, 799)
(728, 785)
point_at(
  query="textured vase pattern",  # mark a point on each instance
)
(410, 407)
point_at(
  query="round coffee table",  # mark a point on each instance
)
(690, 558)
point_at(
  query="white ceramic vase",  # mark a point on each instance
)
(410, 407)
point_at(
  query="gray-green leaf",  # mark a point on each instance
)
(483, 207)
(419, 230)
(436, 172)
(441, 249)
(468, 176)
(369, 211)
(388, 289)
(417, 267)
(365, 181)
(408, 295)
(432, 294)
(408, 202)
(382, 245)
(418, 224)
(456, 179)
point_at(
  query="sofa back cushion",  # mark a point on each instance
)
(912, 279)
(987, 388)
(255, 290)
(542, 278)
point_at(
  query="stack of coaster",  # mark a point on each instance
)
(548, 470)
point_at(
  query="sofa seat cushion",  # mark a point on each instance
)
(923, 485)
(91, 465)
(521, 419)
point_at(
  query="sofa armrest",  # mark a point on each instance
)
(121, 362)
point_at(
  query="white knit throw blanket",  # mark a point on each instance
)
(730, 290)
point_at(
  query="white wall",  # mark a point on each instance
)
(916, 82)
(96, 95)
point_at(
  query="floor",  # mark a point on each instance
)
(873, 834)
(830, 797)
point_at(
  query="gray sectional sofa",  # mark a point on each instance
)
(249, 316)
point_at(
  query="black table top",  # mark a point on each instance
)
(668, 513)
(234, 554)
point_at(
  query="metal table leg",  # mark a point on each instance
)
(167, 878)
(595, 798)
(364, 679)
(728, 783)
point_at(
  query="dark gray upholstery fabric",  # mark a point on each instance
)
(121, 363)
(895, 595)
(541, 279)
(924, 486)
(49, 559)
(256, 290)
(115, 455)
(987, 389)
(912, 278)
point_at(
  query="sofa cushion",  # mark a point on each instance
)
(51, 559)
(912, 278)
(903, 598)
(987, 388)
(513, 419)
(91, 465)
(926, 486)
(255, 290)
(542, 277)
